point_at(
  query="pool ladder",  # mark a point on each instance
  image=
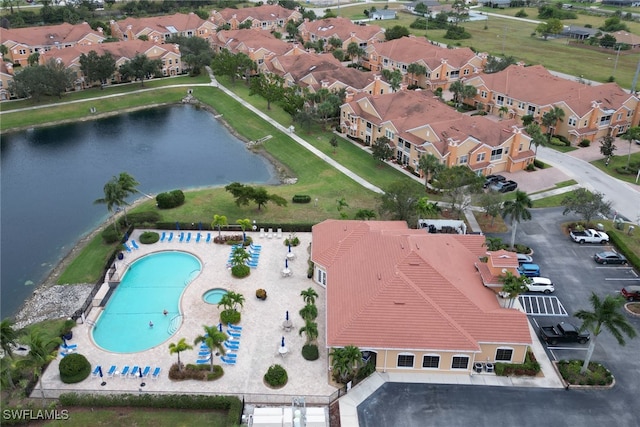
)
(174, 324)
(192, 276)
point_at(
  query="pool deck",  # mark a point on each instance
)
(262, 323)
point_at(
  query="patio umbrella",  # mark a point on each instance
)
(286, 263)
(64, 342)
(220, 326)
(140, 375)
(289, 246)
(177, 225)
(126, 236)
(100, 371)
(282, 344)
(286, 316)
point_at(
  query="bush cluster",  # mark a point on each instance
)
(298, 198)
(584, 143)
(230, 316)
(230, 239)
(195, 372)
(595, 375)
(530, 367)
(110, 236)
(140, 219)
(539, 164)
(74, 368)
(632, 257)
(276, 376)
(310, 352)
(240, 271)
(149, 237)
(229, 403)
(170, 200)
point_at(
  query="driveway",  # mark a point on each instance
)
(575, 275)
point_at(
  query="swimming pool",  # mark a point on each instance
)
(151, 285)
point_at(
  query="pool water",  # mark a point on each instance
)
(150, 286)
(214, 296)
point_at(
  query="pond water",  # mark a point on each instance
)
(50, 177)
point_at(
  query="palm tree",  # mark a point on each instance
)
(42, 350)
(309, 312)
(416, 69)
(244, 224)
(534, 131)
(177, 348)
(8, 337)
(456, 88)
(239, 256)
(345, 362)
(309, 296)
(219, 221)
(513, 286)
(631, 135)
(310, 329)
(427, 209)
(605, 313)
(214, 340)
(430, 166)
(113, 197)
(236, 299)
(517, 210)
(128, 186)
(550, 120)
(502, 111)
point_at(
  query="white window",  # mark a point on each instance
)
(431, 361)
(463, 160)
(500, 100)
(483, 94)
(572, 121)
(459, 362)
(322, 277)
(509, 101)
(389, 134)
(531, 109)
(504, 354)
(496, 154)
(521, 105)
(605, 120)
(405, 361)
(619, 116)
(480, 157)
(466, 72)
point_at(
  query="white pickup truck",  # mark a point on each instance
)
(589, 236)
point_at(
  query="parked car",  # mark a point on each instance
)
(529, 270)
(631, 293)
(539, 284)
(563, 332)
(589, 236)
(609, 257)
(504, 186)
(524, 259)
(492, 179)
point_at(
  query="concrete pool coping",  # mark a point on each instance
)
(262, 332)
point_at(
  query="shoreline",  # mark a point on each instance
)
(50, 300)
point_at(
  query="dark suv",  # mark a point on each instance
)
(504, 186)
(492, 179)
(631, 293)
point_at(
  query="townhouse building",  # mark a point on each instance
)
(323, 71)
(258, 45)
(411, 301)
(590, 111)
(6, 77)
(159, 29)
(266, 17)
(22, 42)
(341, 28)
(417, 123)
(443, 66)
(168, 54)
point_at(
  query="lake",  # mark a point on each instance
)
(50, 177)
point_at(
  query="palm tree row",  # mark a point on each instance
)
(345, 362)
(213, 339)
(309, 313)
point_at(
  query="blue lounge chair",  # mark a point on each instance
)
(208, 238)
(145, 372)
(170, 237)
(96, 371)
(64, 353)
(156, 373)
(202, 361)
(134, 372)
(126, 247)
(164, 234)
(198, 238)
(134, 244)
(181, 236)
(69, 347)
(204, 354)
(231, 347)
(111, 371)
(234, 327)
(188, 237)
(256, 248)
(231, 356)
(125, 371)
(233, 342)
(233, 334)
(228, 361)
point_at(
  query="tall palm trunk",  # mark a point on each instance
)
(514, 227)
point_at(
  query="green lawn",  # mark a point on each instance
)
(140, 417)
(620, 162)
(88, 265)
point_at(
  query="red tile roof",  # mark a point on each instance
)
(392, 287)
(164, 24)
(341, 28)
(49, 35)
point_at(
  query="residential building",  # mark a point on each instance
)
(6, 77)
(122, 52)
(417, 124)
(341, 28)
(159, 29)
(498, 264)
(627, 38)
(590, 111)
(258, 45)
(265, 17)
(22, 42)
(318, 71)
(443, 66)
(412, 301)
(382, 14)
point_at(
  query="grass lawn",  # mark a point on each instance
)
(140, 417)
(88, 265)
(619, 162)
(485, 221)
(562, 148)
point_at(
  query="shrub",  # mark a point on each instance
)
(140, 219)
(301, 198)
(539, 164)
(584, 143)
(530, 167)
(310, 352)
(195, 372)
(230, 316)
(240, 271)
(74, 368)
(564, 140)
(170, 200)
(521, 14)
(149, 237)
(522, 249)
(530, 367)
(276, 376)
(261, 294)
(110, 236)
(596, 374)
(294, 241)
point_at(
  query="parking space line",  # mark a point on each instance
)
(569, 348)
(542, 305)
(613, 278)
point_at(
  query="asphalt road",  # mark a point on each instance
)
(575, 275)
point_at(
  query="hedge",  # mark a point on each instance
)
(140, 219)
(301, 198)
(632, 257)
(74, 368)
(530, 367)
(195, 402)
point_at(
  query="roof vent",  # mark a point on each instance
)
(401, 245)
(398, 303)
(379, 276)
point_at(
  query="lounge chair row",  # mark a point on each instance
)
(164, 237)
(67, 349)
(271, 234)
(134, 245)
(127, 372)
(254, 255)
